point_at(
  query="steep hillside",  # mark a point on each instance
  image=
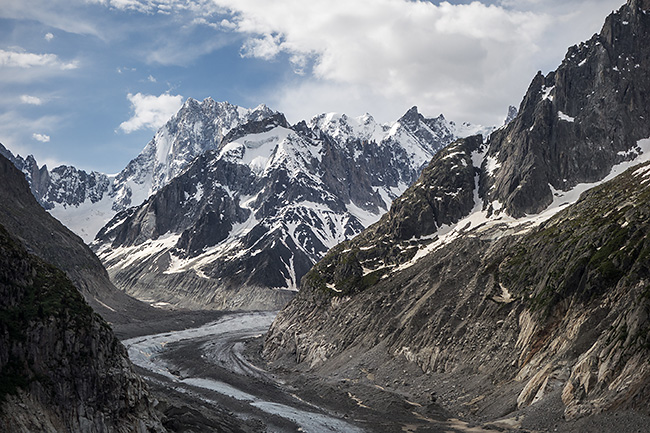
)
(561, 308)
(243, 223)
(48, 239)
(510, 300)
(61, 367)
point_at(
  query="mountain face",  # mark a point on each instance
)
(244, 222)
(486, 276)
(61, 367)
(196, 128)
(594, 104)
(85, 202)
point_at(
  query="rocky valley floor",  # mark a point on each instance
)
(215, 379)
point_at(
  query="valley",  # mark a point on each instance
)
(219, 366)
(245, 274)
(213, 378)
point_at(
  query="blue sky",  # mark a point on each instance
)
(87, 82)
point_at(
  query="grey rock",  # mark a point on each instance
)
(61, 367)
(576, 122)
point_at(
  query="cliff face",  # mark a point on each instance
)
(578, 121)
(61, 367)
(516, 313)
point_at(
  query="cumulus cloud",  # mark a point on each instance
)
(31, 100)
(41, 137)
(469, 61)
(49, 37)
(150, 111)
(25, 60)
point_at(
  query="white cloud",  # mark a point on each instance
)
(25, 60)
(16, 134)
(17, 66)
(31, 100)
(224, 23)
(469, 61)
(151, 79)
(265, 47)
(151, 112)
(41, 137)
(49, 37)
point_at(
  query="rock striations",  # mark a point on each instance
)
(61, 367)
(483, 274)
(240, 226)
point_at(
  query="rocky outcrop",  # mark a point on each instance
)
(512, 113)
(577, 122)
(504, 315)
(64, 185)
(61, 367)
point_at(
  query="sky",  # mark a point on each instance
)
(88, 82)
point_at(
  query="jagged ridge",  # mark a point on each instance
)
(258, 212)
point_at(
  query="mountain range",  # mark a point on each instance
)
(228, 207)
(85, 202)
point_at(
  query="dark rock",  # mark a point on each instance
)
(575, 123)
(61, 367)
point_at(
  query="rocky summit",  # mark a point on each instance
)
(576, 122)
(240, 226)
(507, 295)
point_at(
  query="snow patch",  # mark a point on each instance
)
(565, 117)
(478, 221)
(546, 93)
(491, 165)
(86, 219)
(366, 218)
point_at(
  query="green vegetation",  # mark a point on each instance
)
(32, 291)
(584, 251)
(49, 294)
